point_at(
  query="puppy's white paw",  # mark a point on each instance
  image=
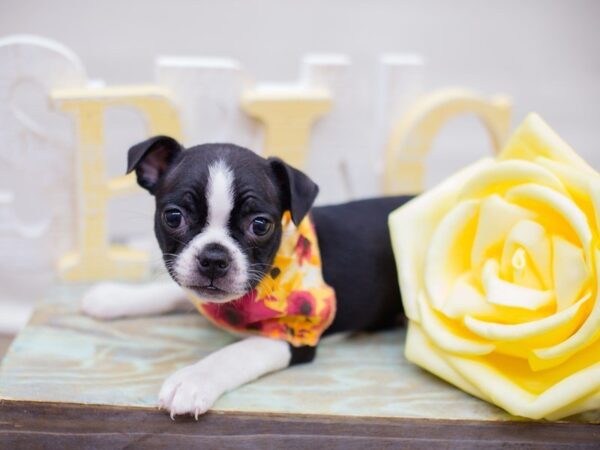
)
(188, 391)
(106, 301)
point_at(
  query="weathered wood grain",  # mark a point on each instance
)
(27, 425)
(62, 356)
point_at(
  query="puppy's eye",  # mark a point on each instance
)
(260, 226)
(173, 217)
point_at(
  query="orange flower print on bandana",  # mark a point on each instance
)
(303, 249)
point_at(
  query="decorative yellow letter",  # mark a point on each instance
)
(412, 136)
(287, 115)
(95, 258)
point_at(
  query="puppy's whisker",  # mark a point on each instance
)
(260, 264)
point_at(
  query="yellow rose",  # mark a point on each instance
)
(498, 268)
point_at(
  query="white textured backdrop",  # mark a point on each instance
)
(545, 54)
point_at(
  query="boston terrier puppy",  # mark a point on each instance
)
(218, 221)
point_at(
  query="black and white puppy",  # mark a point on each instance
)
(218, 223)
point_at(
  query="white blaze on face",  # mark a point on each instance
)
(219, 195)
(219, 200)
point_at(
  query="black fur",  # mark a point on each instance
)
(151, 158)
(298, 192)
(358, 263)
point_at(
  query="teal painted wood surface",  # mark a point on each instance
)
(62, 356)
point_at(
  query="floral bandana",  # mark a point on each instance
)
(292, 302)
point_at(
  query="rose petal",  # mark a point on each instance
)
(443, 336)
(420, 350)
(465, 299)
(567, 210)
(534, 138)
(532, 237)
(503, 293)
(448, 253)
(585, 335)
(557, 394)
(515, 332)
(496, 219)
(594, 190)
(582, 186)
(497, 178)
(411, 228)
(570, 272)
(502, 389)
(522, 272)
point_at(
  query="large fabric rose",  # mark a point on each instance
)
(498, 268)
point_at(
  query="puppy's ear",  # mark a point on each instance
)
(299, 191)
(151, 158)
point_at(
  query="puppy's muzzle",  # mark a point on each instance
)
(214, 261)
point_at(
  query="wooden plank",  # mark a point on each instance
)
(62, 356)
(30, 425)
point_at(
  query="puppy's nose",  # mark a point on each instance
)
(214, 261)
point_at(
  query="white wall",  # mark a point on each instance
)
(546, 54)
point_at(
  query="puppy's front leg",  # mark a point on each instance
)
(194, 389)
(113, 300)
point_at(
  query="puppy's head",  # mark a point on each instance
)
(218, 211)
